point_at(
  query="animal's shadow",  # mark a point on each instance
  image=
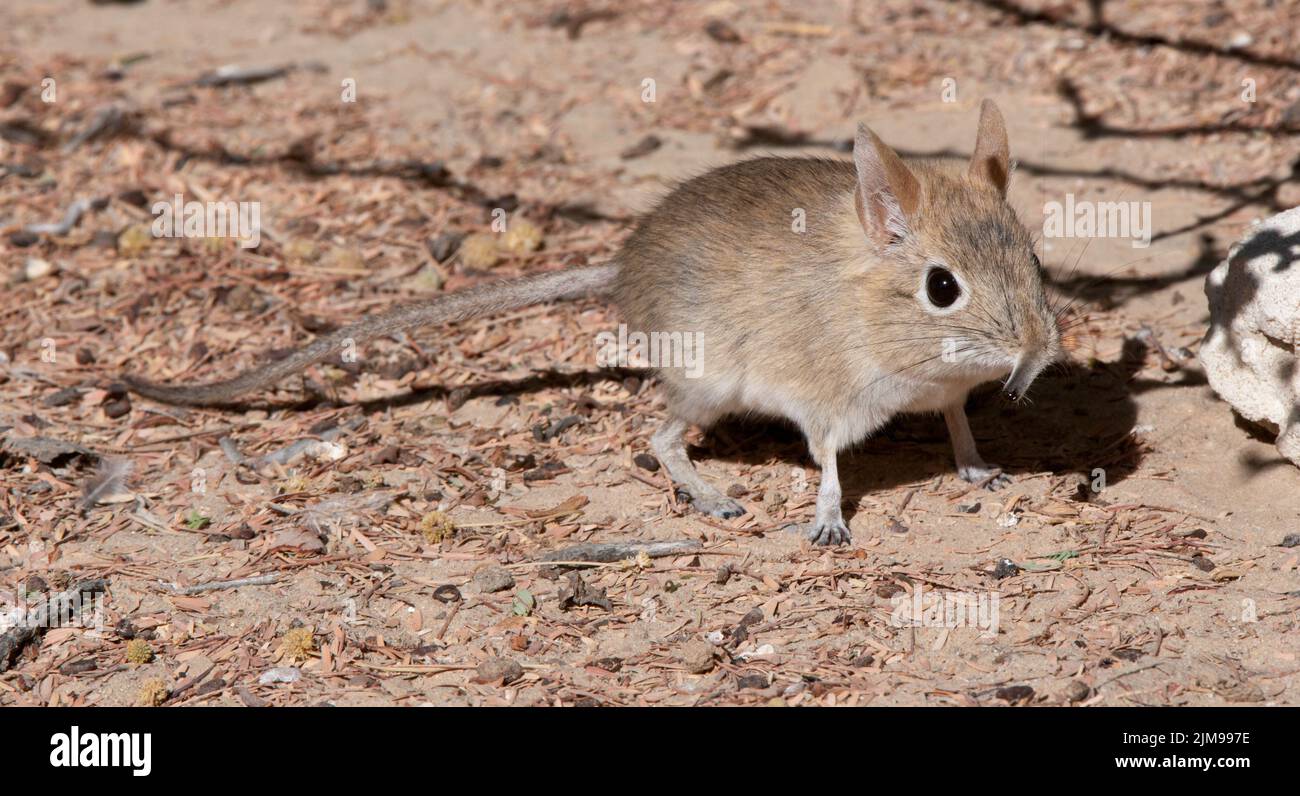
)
(1076, 419)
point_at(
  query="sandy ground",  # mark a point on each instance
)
(1168, 586)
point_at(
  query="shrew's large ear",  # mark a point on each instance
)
(888, 192)
(991, 163)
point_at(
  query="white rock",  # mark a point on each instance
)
(1249, 352)
(328, 451)
(765, 652)
(37, 268)
(280, 674)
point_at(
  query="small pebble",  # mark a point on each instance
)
(1291, 540)
(643, 147)
(494, 669)
(720, 31)
(135, 197)
(697, 657)
(1005, 568)
(494, 579)
(755, 681)
(888, 590)
(969, 508)
(118, 408)
(458, 398)
(78, 666)
(1015, 693)
(280, 674)
(37, 268)
(1077, 691)
(62, 397)
(646, 462)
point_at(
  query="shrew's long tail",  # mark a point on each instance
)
(488, 299)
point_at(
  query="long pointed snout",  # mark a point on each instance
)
(1022, 375)
(1039, 348)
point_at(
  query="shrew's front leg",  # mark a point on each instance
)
(828, 527)
(970, 465)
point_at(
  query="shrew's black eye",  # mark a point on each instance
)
(941, 287)
(1038, 264)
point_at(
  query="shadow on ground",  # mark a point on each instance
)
(1077, 418)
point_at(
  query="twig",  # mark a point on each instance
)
(455, 609)
(70, 218)
(190, 682)
(231, 75)
(260, 580)
(612, 552)
(1134, 670)
(107, 121)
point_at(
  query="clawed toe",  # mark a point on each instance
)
(720, 507)
(991, 478)
(833, 532)
(1000, 481)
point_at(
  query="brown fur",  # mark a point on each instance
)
(816, 312)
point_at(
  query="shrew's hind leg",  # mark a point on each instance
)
(669, 444)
